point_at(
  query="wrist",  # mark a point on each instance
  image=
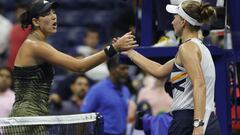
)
(130, 54)
(198, 123)
(110, 51)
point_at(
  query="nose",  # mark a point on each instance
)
(54, 16)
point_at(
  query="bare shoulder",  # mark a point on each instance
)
(188, 47)
(190, 50)
(37, 44)
(40, 47)
(28, 52)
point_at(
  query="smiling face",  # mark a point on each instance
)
(46, 22)
(178, 24)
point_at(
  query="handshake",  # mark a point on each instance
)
(121, 44)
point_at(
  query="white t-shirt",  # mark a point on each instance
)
(7, 99)
(5, 28)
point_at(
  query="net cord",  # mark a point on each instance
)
(48, 120)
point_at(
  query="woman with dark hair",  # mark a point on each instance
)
(191, 72)
(33, 72)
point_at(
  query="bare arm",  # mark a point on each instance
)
(190, 57)
(50, 54)
(132, 107)
(46, 52)
(152, 67)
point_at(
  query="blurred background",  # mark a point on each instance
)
(87, 26)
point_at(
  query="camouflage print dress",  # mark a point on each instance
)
(31, 85)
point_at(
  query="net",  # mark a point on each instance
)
(80, 124)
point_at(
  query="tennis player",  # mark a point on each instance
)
(33, 72)
(191, 72)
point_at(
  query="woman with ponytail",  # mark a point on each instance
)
(191, 72)
(24, 20)
(33, 72)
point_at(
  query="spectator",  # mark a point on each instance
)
(91, 43)
(7, 97)
(153, 107)
(5, 28)
(91, 46)
(132, 107)
(79, 86)
(60, 89)
(156, 125)
(17, 34)
(154, 93)
(110, 97)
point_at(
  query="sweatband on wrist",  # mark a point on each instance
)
(110, 51)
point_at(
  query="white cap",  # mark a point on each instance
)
(176, 2)
(179, 10)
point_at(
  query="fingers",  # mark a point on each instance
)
(126, 42)
(132, 46)
(129, 47)
(115, 39)
(128, 36)
(124, 53)
(131, 42)
(129, 33)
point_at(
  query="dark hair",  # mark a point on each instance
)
(25, 20)
(202, 12)
(76, 76)
(36, 9)
(91, 29)
(113, 62)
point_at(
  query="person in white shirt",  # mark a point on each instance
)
(5, 29)
(7, 96)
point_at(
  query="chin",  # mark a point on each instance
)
(52, 32)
